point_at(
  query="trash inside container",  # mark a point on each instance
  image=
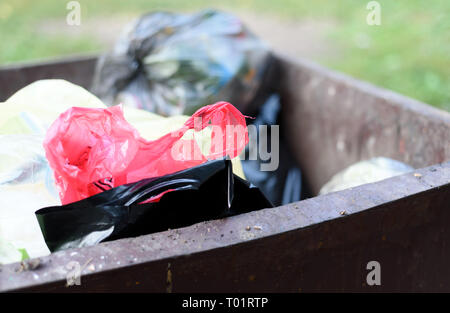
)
(329, 121)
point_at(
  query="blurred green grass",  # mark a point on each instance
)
(408, 53)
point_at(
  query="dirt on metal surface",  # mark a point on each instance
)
(399, 222)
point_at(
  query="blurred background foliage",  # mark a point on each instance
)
(408, 53)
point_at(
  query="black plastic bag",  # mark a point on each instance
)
(205, 192)
(283, 185)
(174, 63)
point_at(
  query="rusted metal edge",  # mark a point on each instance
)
(225, 233)
(390, 96)
(76, 69)
(51, 61)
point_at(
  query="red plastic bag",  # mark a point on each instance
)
(92, 150)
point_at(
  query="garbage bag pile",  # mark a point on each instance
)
(62, 145)
(173, 63)
(75, 172)
(63, 148)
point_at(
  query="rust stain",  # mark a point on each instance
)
(169, 279)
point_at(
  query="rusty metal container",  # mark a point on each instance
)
(323, 243)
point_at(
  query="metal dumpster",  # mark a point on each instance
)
(323, 243)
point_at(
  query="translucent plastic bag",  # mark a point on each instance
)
(26, 184)
(92, 150)
(171, 63)
(365, 172)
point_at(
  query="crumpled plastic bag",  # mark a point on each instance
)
(33, 108)
(26, 183)
(365, 172)
(26, 180)
(204, 192)
(173, 63)
(93, 150)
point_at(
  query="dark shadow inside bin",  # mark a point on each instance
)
(283, 183)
